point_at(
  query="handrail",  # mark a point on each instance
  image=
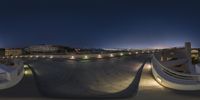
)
(174, 72)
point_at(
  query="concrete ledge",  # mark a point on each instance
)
(15, 78)
(173, 85)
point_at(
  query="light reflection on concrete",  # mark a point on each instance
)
(147, 81)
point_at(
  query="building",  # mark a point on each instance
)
(2, 52)
(47, 49)
(13, 51)
(188, 49)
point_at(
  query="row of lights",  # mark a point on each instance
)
(31, 56)
(99, 56)
(72, 57)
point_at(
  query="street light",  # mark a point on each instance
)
(158, 79)
(85, 57)
(129, 53)
(121, 54)
(99, 56)
(27, 72)
(51, 57)
(111, 55)
(26, 66)
(72, 57)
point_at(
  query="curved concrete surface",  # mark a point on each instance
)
(148, 89)
(87, 78)
(174, 80)
(13, 76)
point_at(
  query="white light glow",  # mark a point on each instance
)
(85, 57)
(121, 54)
(147, 67)
(111, 55)
(142, 51)
(158, 79)
(25, 66)
(99, 56)
(72, 57)
(28, 72)
(51, 57)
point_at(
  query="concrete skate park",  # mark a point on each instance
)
(125, 75)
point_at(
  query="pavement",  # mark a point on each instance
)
(97, 78)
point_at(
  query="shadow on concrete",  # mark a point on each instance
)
(29, 88)
(126, 93)
(25, 88)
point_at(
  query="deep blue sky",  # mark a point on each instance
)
(100, 23)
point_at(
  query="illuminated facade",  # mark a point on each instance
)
(13, 52)
(37, 49)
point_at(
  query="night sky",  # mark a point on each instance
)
(100, 23)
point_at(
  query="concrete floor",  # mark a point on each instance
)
(149, 89)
